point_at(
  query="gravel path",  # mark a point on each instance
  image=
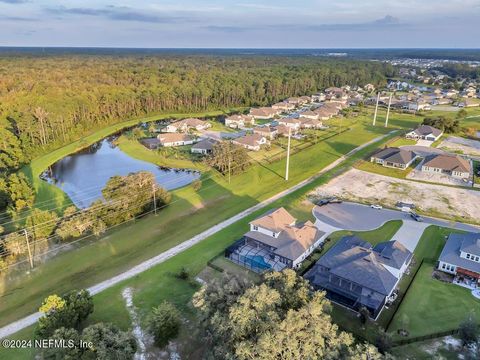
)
(31, 319)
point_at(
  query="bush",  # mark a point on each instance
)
(197, 185)
(164, 323)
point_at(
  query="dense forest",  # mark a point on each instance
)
(48, 101)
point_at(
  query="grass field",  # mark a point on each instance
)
(401, 141)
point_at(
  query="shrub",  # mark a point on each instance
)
(164, 323)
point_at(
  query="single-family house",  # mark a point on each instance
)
(264, 112)
(369, 88)
(275, 241)
(292, 123)
(268, 132)
(239, 121)
(461, 257)
(425, 132)
(309, 115)
(356, 274)
(203, 147)
(283, 130)
(283, 106)
(251, 141)
(187, 124)
(318, 97)
(175, 139)
(308, 123)
(394, 157)
(150, 143)
(453, 165)
(419, 105)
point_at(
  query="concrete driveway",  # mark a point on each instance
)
(410, 233)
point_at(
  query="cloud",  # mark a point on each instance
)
(16, 18)
(384, 23)
(227, 29)
(116, 13)
(14, 1)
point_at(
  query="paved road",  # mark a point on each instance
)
(359, 217)
(31, 319)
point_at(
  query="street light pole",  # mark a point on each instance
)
(288, 153)
(376, 109)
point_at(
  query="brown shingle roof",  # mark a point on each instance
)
(275, 220)
(173, 137)
(448, 162)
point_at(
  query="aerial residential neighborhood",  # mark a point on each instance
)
(262, 180)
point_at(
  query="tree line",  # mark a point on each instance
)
(124, 198)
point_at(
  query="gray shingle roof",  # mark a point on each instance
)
(424, 130)
(451, 251)
(355, 260)
(395, 155)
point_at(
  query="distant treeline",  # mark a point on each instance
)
(460, 70)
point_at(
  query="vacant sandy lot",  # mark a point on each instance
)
(367, 187)
(466, 146)
(418, 174)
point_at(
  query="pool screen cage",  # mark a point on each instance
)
(253, 257)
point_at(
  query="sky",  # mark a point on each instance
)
(241, 23)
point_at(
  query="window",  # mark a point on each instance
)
(443, 266)
(255, 228)
(468, 256)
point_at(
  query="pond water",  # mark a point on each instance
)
(83, 175)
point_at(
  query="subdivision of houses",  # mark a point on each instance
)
(356, 274)
(394, 157)
(187, 124)
(203, 147)
(175, 139)
(275, 241)
(452, 165)
(461, 258)
(425, 132)
(239, 121)
(264, 112)
(251, 141)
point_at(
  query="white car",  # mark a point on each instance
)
(376, 207)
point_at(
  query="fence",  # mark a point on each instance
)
(425, 337)
(402, 295)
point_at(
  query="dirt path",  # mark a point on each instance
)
(160, 258)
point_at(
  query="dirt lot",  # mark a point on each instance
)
(434, 199)
(457, 144)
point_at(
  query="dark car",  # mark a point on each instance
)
(416, 217)
(322, 202)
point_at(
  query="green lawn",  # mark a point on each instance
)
(369, 166)
(431, 305)
(401, 141)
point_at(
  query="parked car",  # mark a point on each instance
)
(376, 207)
(335, 200)
(416, 217)
(322, 202)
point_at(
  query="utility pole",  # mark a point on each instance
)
(376, 109)
(229, 167)
(28, 248)
(154, 199)
(288, 153)
(388, 109)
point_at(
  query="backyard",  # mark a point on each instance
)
(431, 305)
